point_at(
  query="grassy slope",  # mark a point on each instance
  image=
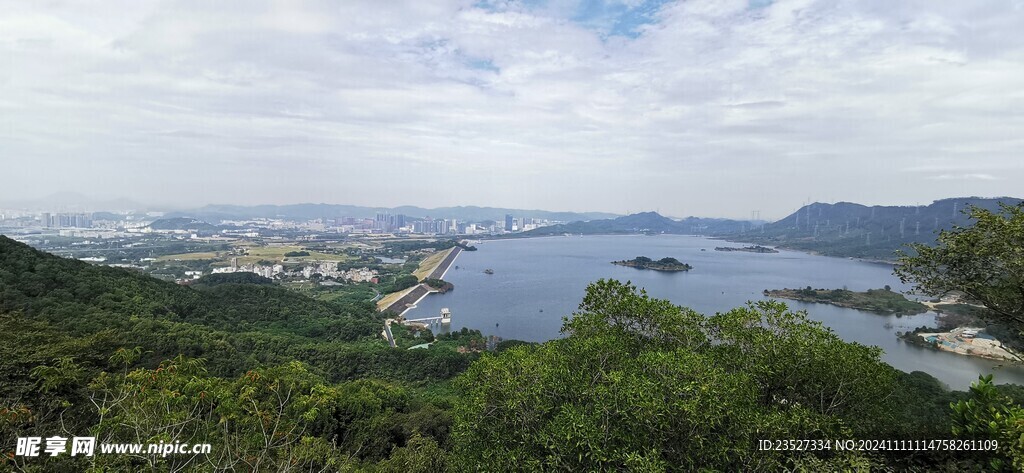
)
(430, 263)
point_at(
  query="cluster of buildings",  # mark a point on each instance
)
(382, 223)
(66, 220)
(262, 270)
(323, 269)
(73, 224)
(522, 224)
(388, 223)
(109, 225)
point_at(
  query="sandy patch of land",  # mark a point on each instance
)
(970, 341)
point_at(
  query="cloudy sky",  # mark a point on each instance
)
(711, 108)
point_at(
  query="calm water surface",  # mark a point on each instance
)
(538, 281)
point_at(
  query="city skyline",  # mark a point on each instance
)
(712, 109)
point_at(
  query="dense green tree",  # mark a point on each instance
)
(984, 262)
(639, 383)
(796, 361)
(988, 414)
(421, 455)
(277, 380)
(404, 281)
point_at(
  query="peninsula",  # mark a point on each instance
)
(748, 249)
(882, 301)
(664, 264)
(970, 341)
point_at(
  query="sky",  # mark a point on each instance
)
(708, 108)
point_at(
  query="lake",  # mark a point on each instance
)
(537, 281)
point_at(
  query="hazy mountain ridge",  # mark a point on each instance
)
(181, 223)
(644, 222)
(313, 211)
(854, 230)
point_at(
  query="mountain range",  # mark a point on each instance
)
(854, 230)
(841, 229)
(645, 222)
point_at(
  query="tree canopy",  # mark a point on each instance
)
(983, 262)
(637, 383)
(277, 380)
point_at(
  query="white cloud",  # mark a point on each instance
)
(964, 177)
(715, 108)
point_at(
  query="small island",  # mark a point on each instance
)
(747, 249)
(664, 264)
(882, 301)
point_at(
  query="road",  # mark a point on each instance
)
(388, 334)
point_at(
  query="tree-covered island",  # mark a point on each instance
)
(748, 249)
(664, 264)
(883, 301)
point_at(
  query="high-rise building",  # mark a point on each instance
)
(508, 222)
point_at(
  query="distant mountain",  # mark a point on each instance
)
(215, 213)
(181, 223)
(855, 230)
(645, 222)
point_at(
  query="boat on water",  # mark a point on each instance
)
(488, 271)
(446, 316)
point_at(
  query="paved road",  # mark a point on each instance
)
(387, 332)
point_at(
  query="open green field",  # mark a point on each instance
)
(193, 256)
(275, 253)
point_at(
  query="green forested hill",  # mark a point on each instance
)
(276, 381)
(69, 327)
(234, 326)
(860, 231)
(644, 222)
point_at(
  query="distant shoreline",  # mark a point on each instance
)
(709, 237)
